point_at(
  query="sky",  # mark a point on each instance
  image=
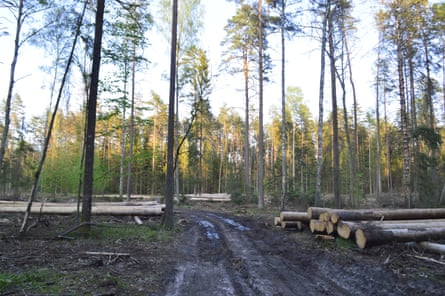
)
(302, 65)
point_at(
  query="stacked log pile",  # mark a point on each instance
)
(372, 227)
(292, 220)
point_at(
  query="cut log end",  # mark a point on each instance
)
(277, 221)
(360, 238)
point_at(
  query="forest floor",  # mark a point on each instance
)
(216, 249)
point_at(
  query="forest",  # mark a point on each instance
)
(294, 154)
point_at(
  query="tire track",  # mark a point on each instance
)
(220, 256)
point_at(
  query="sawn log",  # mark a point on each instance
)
(102, 210)
(372, 236)
(379, 214)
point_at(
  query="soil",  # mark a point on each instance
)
(215, 250)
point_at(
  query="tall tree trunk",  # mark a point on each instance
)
(387, 141)
(283, 109)
(432, 117)
(353, 151)
(247, 127)
(18, 30)
(317, 199)
(335, 144)
(130, 151)
(170, 180)
(406, 170)
(348, 139)
(91, 126)
(414, 145)
(153, 157)
(293, 158)
(123, 139)
(260, 119)
(51, 124)
(378, 170)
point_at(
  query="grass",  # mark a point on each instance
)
(41, 281)
(127, 232)
(345, 243)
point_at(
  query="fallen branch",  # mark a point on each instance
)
(108, 254)
(428, 259)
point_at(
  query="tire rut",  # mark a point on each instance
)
(220, 256)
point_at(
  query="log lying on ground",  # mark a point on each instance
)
(276, 221)
(346, 229)
(103, 210)
(317, 226)
(292, 225)
(432, 247)
(372, 236)
(4, 203)
(379, 214)
(294, 216)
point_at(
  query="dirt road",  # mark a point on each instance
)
(215, 250)
(221, 255)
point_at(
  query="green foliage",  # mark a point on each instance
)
(429, 136)
(345, 243)
(304, 199)
(40, 281)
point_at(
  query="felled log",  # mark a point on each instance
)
(68, 210)
(317, 226)
(432, 247)
(294, 216)
(292, 225)
(335, 218)
(4, 203)
(325, 217)
(379, 214)
(346, 229)
(277, 221)
(365, 237)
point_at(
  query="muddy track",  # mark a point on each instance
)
(222, 256)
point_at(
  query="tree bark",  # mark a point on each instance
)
(432, 247)
(294, 216)
(406, 157)
(375, 236)
(347, 229)
(380, 214)
(91, 118)
(11, 84)
(335, 142)
(317, 198)
(170, 180)
(114, 210)
(283, 108)
(260, 119)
